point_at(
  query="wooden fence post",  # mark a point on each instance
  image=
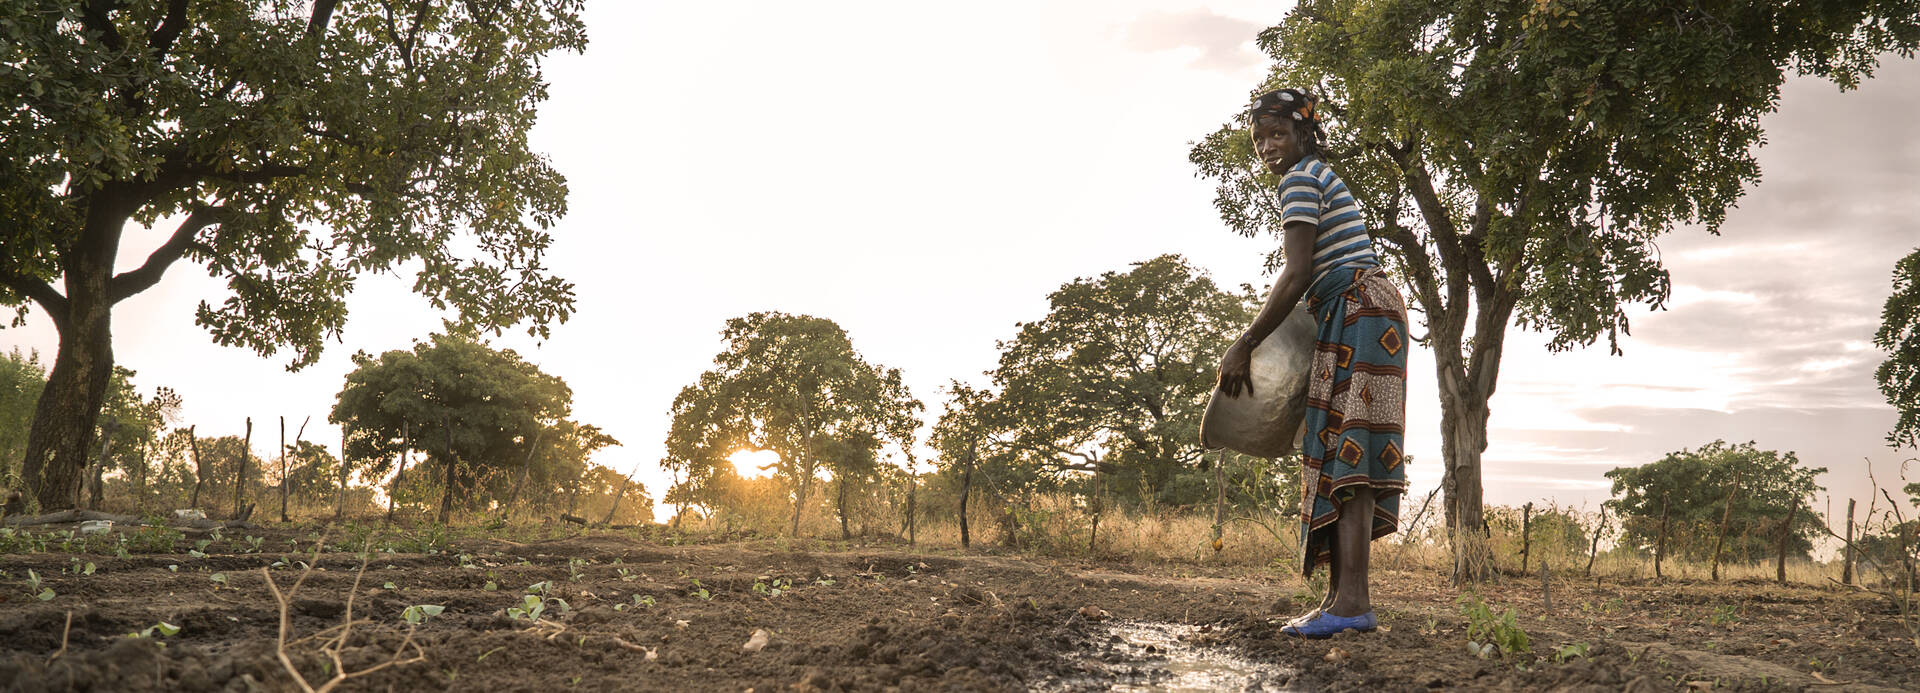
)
(1846, 563)
(340, 496)
(1726, 514)
(1594, 551)
(1526, 536)
(1786, 532)
(1660, 543)
(406, 446)
(283, 469)
(240, 478)
(199, 470)
(446, 495)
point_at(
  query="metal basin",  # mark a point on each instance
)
(1271, 421)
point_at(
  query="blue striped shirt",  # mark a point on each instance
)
(1312, 193)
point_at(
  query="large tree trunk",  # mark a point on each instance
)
(61, 439)
(1466, 385)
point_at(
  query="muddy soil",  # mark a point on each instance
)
(622, 611)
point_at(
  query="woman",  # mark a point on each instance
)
(1354, 471)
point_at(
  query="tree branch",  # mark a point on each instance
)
(40, 291)
(137, 280)
(322, 15)
(95, 17)
(170, 28)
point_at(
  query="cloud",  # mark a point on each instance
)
(1225, 44)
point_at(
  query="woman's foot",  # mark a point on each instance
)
(1324, 625)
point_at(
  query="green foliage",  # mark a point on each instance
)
(419, 613)
(1899, 335)
(1695, 484)
(792, 384)
(22, 377)
(492, 404)
(288, 148)
(1484, 628)
(301, 151)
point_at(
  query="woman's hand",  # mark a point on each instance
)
(1236, 369)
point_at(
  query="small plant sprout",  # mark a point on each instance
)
(219, 580)
(1570, 651)
(36, 589)
(162, 629)
(700, 592)
(388, 586)
(540, 587)
(645, 600)
(253, 544)
(574, 568)
(772, 588)
(626, 575)
(421, 612)
(490, 586)
(530, 608)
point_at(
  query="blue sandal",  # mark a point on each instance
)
(1325, 625)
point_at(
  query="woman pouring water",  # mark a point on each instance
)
(1352, 451)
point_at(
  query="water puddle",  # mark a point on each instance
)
(1133, 656)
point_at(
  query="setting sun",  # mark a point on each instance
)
(753, 464)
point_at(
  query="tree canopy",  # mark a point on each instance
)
(1117, 374)
(1516, 159)
(1899, 335)
(287, 147)
(493, 411)
(1694, 486)
(792, 384)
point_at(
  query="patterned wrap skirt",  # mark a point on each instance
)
(1356, 406)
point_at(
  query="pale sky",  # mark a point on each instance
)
(925, 174)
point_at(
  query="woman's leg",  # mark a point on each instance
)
(1353, 541)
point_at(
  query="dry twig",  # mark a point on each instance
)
(333, 648)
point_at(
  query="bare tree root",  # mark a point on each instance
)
(333, 646)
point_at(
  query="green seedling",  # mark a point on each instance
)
(388, 586)
(824, 582)
(219, 580)
(490, 586)
(773, 589)
(540, 587)
(627, 575)
(253, 544)
(700, 592)
(196, 553)
(162, 629)
(1567, 652)
(1486, 631)
(34, 587)
(574, 568)
(419, 613)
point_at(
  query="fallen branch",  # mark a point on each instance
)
(64, 516)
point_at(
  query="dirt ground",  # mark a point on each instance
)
(641, 614)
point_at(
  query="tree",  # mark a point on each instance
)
(136, 423)
(792, 384)
(22, 377)
(1116, 376)
(1899, 335)
(289, 149)
(493, 405)
(1694, 487)
(1516, 159)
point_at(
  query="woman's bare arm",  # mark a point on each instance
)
(1236, 367)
